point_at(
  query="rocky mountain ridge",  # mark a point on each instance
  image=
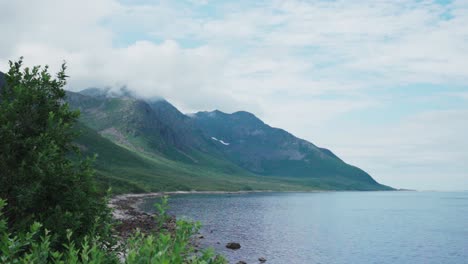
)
(240, 141)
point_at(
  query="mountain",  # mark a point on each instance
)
(264, 150)
(128, 171)
(227, 147)
(154, 128)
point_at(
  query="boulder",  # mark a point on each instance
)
(262, 259)
(233, 245)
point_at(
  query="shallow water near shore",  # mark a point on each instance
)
(331, 227)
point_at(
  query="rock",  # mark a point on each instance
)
(241, 262)
(262, 259)
(201, 236)
(233, 245)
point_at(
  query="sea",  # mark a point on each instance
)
(331, 227)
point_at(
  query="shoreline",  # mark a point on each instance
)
(126, 210)
(126, 206)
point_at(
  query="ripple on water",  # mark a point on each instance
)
(333, 227)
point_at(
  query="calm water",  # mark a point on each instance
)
(333, 227)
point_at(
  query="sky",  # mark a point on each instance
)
(383, 84)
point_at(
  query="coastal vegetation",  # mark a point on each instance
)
(36, 245)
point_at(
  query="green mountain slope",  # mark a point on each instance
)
(207, 145)
(154, 128)
(127, 171)
(264, 150)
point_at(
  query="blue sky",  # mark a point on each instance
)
(384, 84)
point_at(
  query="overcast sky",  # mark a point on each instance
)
(383, 84)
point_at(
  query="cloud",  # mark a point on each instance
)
(315, 47)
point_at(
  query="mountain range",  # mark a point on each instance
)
(165, 149)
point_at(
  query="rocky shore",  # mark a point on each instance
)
(126, 210)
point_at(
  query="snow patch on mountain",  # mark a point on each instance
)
(220, 141)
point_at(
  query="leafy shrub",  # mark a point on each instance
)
(42, 174)
(34, 246)
(168, 248)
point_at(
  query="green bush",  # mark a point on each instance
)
(34, 247)
(165, 247)
(42, 174)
